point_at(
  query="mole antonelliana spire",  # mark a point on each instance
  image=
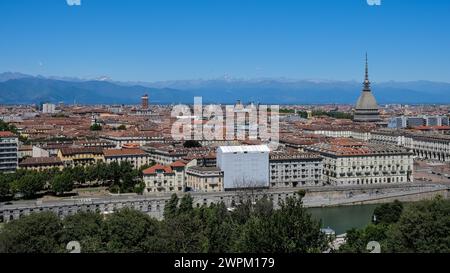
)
(366, 109)
(366, 79)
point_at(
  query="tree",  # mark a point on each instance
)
(192, 144)
(77, 173)
(130, 231)
(186, 205)
(287, 230)
(122, 127)
(29, 185)
(388, 213)
(62, 183)
(96, 127)
(184, 232)
(86, 228)
(263, 207)
(171, 207)
(357, 239)
(4, 126)
(423, 227)
(218, 228)
(243, 212)
(36, 233)
(5, 186)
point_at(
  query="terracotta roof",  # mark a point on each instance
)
(123, 152)
(349, 147)
(158, 167)
(7, 134)
(83, 150)
(40, 161)
(130, 145)
(432, 127)
(178, 163)
(26, 148)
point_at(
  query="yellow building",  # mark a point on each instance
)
(82, 156)
(204, 179)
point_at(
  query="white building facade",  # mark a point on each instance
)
(244, 166)
(48, 108)
(364, 164)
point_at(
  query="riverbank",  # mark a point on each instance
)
(373, 195)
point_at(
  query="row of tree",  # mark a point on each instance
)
(422, 227)
(251, 227)
(28, 184)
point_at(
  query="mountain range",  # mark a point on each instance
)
(18, 88)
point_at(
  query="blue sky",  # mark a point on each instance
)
(190, 39)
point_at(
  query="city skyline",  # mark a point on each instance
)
(179, 40)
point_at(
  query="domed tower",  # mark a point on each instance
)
(366, 109)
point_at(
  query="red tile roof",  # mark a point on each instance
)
(432, 127)
(7, 134)
(83, 150)
(158, 167)
(123, 152)
(178, 163)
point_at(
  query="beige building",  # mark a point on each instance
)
(165, 178)
(136, 157)
(204, 179)
(349, 162)
(81, 156)
(425, 145)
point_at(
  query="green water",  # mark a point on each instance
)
(341, 219)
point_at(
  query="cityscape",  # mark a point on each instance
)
(268, 167)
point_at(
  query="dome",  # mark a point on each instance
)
(366, 102)
(366, 109)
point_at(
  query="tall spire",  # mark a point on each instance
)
(366, 79)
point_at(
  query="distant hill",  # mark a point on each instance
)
(20, 88)
(36, 90)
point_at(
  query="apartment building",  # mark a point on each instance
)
(8, 152)
(136, 157)
(295, 170)
(350, 162)
(81, 156)
(165, 178)
(204, 179)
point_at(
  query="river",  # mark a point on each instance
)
(343, 218)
